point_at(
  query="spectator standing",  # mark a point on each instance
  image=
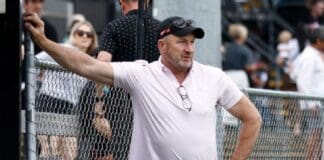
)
(59, 92)
(119, 40)
(119, 36)
(174, 98)
(288, 50)
(308, 72)
(74, 19)
(237, 55)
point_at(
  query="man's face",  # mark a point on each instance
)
(34, 6)
(83, 37)
(177, 52)
(318, 9)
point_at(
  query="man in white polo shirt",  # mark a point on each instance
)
(174, 98)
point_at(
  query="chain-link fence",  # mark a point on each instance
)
(72, 124)
(292, 126)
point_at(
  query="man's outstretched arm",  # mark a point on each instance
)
(251, 123)
(69, 58)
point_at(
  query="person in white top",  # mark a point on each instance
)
(60, 91)
(288, 50)
(308, 72)
(174, 99)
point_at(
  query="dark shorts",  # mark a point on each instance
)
(45, 103)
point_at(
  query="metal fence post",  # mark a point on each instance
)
(322, 127)
(30, 100)
(220, 135)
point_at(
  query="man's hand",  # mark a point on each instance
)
(35, 26)
(101, 124)
(104, 56)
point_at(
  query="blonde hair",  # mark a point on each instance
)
(94, 43)
(284, 36)
(237, 31)
(75, 19)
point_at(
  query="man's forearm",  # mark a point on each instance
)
(69, 58)
(247, 139)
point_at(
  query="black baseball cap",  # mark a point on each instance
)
(180, 27)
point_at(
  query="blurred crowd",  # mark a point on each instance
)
(276, 69)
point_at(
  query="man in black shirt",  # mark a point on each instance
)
(119, 40)
(119, 36)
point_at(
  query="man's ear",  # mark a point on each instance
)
(161, 45)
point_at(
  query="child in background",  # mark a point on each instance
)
(287, 48)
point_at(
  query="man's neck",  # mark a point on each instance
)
(130, 7)
(180, 74)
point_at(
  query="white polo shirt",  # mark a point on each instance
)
(163, 128)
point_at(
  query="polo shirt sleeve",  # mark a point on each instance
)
(230, 94)
(127, 74)
(107, 41)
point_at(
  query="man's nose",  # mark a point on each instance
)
(190, 47)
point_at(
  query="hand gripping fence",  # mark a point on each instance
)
(71, 123)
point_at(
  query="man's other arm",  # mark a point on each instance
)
(251, 123)
(71, 59)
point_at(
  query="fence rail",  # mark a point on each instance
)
(291, 121)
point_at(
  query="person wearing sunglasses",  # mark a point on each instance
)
(83, 37)
(174, 98)
(95, 135)
(63, 98)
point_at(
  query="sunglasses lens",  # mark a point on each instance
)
(81, 33)
(181, 23)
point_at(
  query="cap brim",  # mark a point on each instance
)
(197, 32)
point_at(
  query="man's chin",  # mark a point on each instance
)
(186, 65)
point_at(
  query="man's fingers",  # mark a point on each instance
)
(29, 27)
(99, 107)
(33, 19)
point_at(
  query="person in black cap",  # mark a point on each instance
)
(174, 98)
